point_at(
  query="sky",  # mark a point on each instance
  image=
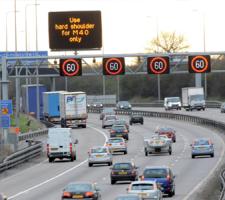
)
(127, 25)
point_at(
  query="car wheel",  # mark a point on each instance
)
(50, 160)
(84, 126)
(212, 155)
(170, 152)
(75, 157)
(125, 152)
(193, 156)
(131, 123)
(170, 194)
(113, 182)
(72, 158)
(142, 122)
(103, 126)
(90, 164)
(146, 153)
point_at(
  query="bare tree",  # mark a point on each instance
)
(167, 42)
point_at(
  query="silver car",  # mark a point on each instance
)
(108, 121)
(99, 155)
(116, 144)
(157, 144)
(145, 190)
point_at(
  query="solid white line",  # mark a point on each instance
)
(59, 175)
(210, 174)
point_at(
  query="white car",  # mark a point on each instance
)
(145, 190)
(108, 120)
(99, 155)
(116, 144)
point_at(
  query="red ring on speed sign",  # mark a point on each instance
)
(152, 63)
(115, 60)
(197, 58)
(70, 73)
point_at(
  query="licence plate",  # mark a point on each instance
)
(98, 156)
(77, 196)
(54, 149)
(143, 195)
(122, 173)
(119, 135)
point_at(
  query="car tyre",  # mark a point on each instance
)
(212, 155)
(170, 152)
(72, 158)
(125, 152)
(113, 182)
(90, 164)
(131, 123)
(193, 156)
(146, 153)
(50, 160)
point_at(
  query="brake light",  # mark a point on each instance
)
(89, 194)
(125, 131)
(67, 194)
(113, 131)
(121, 143)
(47, 148)
(71, 148)
(133, 172)
(168, 178)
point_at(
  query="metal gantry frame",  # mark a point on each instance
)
(16, 67)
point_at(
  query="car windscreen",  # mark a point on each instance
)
(122, 166)
(174, 99)
(99, 150)
(142, 186)
(155, 173)
(78, 187)
(201, 142)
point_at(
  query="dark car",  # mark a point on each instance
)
(119, 131)
(97, 105)
(123, 105)
(81, 191)
(122, 122)
(124, 171)
(169, 132)
(128, 197)
(136, 118)
(163, 176)
(107, 111)
(222, 108)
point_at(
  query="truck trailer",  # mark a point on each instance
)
(73, 109)
(193, 98)
(51, 107)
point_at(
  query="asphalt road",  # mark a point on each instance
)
(45, 180)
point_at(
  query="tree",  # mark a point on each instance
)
(168, 42)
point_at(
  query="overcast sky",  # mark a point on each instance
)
(127, 24)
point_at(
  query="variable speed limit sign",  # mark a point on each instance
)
(70, 67)
(158, 65)
(199, 64)
(113, 66)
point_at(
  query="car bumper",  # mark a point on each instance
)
(202, 153)
(123, 177)
(158, 149)
(117, 149)
(59, 155)
(99, 161)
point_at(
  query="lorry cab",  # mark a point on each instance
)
(172, 103)
(60, 144)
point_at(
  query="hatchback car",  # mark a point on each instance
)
(99, 155)
(163, 175)
(3, 197)
(122, 122)
(123, 105)
(107, 111)
(124, 171)
(78, 190)
(170, 132)
(119, 131)
(145, 190)
(128, 197)
(108, 120)
(202, 147)
(116, 144)
(136, 118)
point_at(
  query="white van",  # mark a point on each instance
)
(60, 144)
(172, 103)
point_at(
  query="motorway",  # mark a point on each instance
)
(45, 181)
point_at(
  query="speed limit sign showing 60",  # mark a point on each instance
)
(199, 64)
(113, 66)
(70, 67)
(158, 65)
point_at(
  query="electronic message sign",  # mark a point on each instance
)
(199, 64)
(158, 65)
(75, 30)
(70, 67)
(113, 66)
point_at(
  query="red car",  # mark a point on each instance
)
(169, 132)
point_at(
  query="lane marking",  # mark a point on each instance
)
(59, 175)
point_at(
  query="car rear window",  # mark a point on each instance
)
(78, 187)
(142, 186)
(99, 150)
(110, 117)
(122, 166)
(155, 173)
(201, 142)
(115, 140)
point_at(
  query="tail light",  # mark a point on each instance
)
(89, 194)
(67, 194)
(122, 143)
(113, 131)
(71, 148)
(125, 131)
(168, 178)
(47, 148)
(141, 178)
(112, 172)
(133, 172)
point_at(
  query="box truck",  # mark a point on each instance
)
(193, 98)
(51, 108)
(29, 98)
(73, 109)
